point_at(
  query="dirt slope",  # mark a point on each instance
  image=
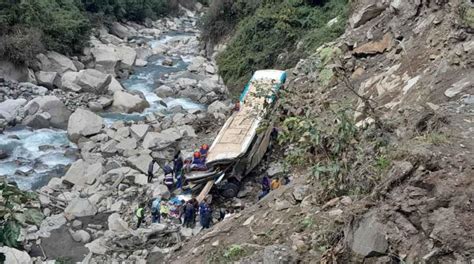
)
(405, 68)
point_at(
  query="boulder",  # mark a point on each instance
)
(456, 88)
(164, 91)
(162, 140)
(115, 85)
(128, 103)
(79, 207)
(9, 108)
(367, 13)
(140, 162)
(93, 81)
(375, 47)
(167, 62)
(49, 108)
(120, 30)
(141, 179)
(81, 173)
(160, 190)
(139, 131)
(191, 93)
(12, 72)
(83, 123)
(68, 82)
(47, 79)
(187, 131)
(127, 144)
(117, 224)
(367, 237)
(126, 56)
(15, 256)
(35, 89)
(217, 107)
(55, 62)
(81, 236)
(106, 59)
(279, 254)
(97, 246)
(141, 63)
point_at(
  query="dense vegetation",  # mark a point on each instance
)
(270, 33)
(30, 26)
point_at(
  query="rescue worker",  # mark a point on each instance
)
(164, 209)
(140, 213)
(168, 181)
(265, 187)
(178, 169)
(150, 170)
(275, 184)
(189, 214)
(204, 214)
(155, 211)
(198, 164)
(203, 151)
(181, 209)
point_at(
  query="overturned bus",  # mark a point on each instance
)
(243, 140)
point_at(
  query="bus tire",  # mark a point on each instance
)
(230, 190)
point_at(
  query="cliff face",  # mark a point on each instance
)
(390, 179)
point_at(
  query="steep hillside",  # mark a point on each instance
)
(377, 131)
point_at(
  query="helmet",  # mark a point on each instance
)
(205, 146)
(197, 154)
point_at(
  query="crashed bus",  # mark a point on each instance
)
(243, 140)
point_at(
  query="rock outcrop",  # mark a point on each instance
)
(46, 111)
(83, 123)
(128, 103)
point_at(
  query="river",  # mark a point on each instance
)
(35, 156)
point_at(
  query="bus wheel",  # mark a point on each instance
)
(230, 190)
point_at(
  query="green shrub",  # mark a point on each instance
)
(275, 28)
(65, 27)
(223, 15)
(134, 10)
(21, 45)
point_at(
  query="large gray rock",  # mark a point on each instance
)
(120, 30)
(15, 256)
(128, 103)
(55, 62)
(140, 162)
(50, 108)
(217, 107)
(367, 237)
(367, 13)
(115, 85)
(162, 140)
(9, 108)
(117, 224)
(164, 91)
(126, 55)
(68, 82)
(81, 173)
(106, 59)
(12, 72)
(93, 81)
(81, 236)
(79, 207)
(191, 93)
(83, 123)
(279, 254)
(47, 79)
(139, 131)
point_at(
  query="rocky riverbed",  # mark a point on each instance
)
(137, 93)
(155, 75)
